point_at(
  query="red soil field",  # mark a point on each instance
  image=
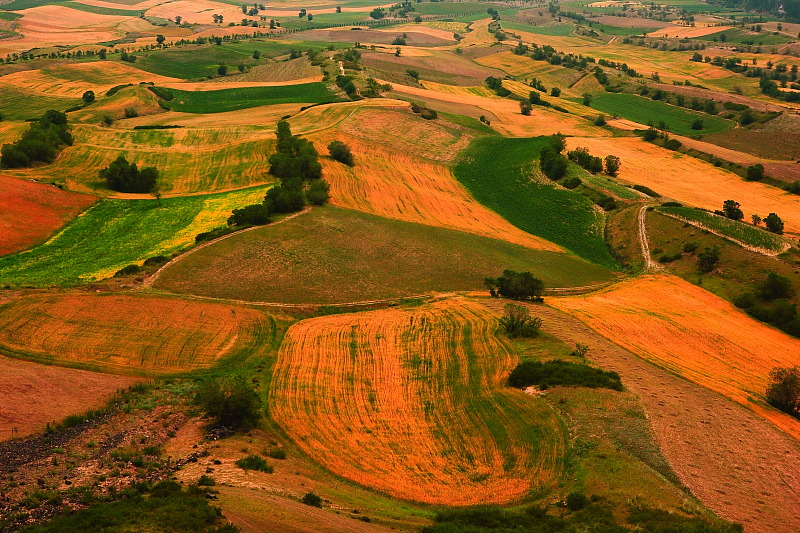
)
(31, 394)
(31, 212)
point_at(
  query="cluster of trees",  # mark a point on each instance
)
(296, 164)
(586, 160)
(516, 285)
(123, 176)
(732, 209)
(496, 84)
(551, 161)
(341, 152)
(229, 402)
(41, 143)
(552, 373)
(707, 259)
(771, 304)
(783, 391)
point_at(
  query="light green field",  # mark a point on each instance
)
(646, 111)
(242, 98)
(115, 233)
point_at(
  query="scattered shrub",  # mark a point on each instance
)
(312, 499)
(517, 321)
(254, 462)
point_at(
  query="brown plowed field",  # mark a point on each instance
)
(130, 334)
(31, 212)
(31, 394)
(412, 402)
(741, 466)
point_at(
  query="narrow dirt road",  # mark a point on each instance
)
(649, 265)
(739, 465)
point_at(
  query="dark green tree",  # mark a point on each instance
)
(774, 223)
(341, 153)
(231, 402)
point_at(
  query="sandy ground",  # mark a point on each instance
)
(681, 32)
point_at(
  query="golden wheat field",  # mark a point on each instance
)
(412, 403)
(693, 333)
(130, 334)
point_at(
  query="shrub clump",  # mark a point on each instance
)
(231, 402)
(122, 176)
(255, 462)
(558, 372)
(518, 322)
(516, 285)
(41, 143)
(341, 152)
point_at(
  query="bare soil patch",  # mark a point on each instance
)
(371, 37)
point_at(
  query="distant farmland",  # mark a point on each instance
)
(217, 101)
(413, 402)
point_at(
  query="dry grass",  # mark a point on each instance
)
(412, 403)
(32, 395)
(693, 333)
(130, 334)
(31, 212)
(691, 180)
(296, 70)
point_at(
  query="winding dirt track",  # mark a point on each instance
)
(738, 464)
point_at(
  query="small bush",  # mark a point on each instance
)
(255, 462)
(576, 501)
(161, 92)
(517, 321)
(277, 453)
(312, 499)
(689, 247)
(206, 481)
(127, 271)
(646, 190)
(341, 152)
(230, 401)
(571, 183)
(673, 144)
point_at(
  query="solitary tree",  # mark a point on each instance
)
(612, 164)
(518, 322)
(341, 153)
(160, 39)
(708, 259)
(774, 223)
(732, 210)
(88, 97)
(783, 391)
(755, 172)
(525, 108)
(756, 219)
(231, 402)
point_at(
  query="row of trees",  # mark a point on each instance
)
(41, 143)
(732, 209)
(296, 164)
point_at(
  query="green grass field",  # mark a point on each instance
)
(552, 29)
(740, 231)
(242, 98)
(449, 8)
(737, 35)
(115, 233)
(336, 255)
(615, 30)
(103, 10)
(495, 170)
(21, 105)
(645, 111)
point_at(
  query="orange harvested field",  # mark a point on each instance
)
(690, 180)
(215, 86)
(31, 212)
(76, 78)
(687, 32)
(412, 402)
(396, 181)
(130, 334)
(198, 11)
(31, 394)
(687, 330)
(298, 70)
(51, 25)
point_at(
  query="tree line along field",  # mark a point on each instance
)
(646, 111)
(132, 334)
(335, 255)
(116, 233)
(412, 403)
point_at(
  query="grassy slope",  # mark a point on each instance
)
(116, 233)
(494, 170)
(644, 110)
(337, 255)
(243, 98)
(20, 105)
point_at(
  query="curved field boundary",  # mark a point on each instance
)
(697, 224)
(150, 280)
(130, 334)
(693, 333)
(741, 466)
(413, 403)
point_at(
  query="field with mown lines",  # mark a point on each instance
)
(395, 185)
(130, 334)
(690, 180)
(73, 79)
(30, 212)
(693, 333)
(31, 394)
(190, 160)
(115, 233)
(412, 402)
